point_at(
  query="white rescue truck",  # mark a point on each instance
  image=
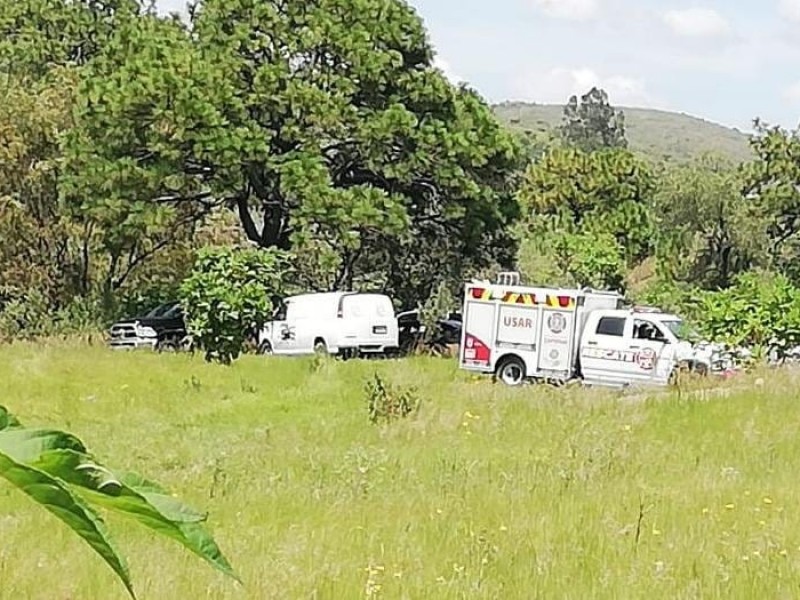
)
(553, 335)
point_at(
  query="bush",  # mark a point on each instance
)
(759, 310)
(228, 295)
(387, 403)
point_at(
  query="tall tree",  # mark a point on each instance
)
(36, 35)
(318, 122)
(773, 186)
(592, 123)
(609, 191)
(706, 231)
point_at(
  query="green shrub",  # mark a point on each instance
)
(228, 295)
(387, 403)
(759, 310)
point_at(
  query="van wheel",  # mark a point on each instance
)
(265, 348)
(320, 347)
(511, 371)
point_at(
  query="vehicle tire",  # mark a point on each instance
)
(264, 348)
(168, 345)
(320, 347)
(511, 371)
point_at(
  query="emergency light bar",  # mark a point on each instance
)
(646, 309)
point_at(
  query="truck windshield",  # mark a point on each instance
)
(161, 311)
(680, 329)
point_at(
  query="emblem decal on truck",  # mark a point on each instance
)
(646, 359)
(556, 323)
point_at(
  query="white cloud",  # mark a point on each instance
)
(697, 22)
(790, 9)
(575, 10)
(557, 85)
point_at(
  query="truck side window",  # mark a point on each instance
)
(644, 330)
(613, 326)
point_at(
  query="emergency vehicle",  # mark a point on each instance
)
(555, 335)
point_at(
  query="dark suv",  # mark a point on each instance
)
(163, 328)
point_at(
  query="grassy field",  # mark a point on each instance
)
(486, 493)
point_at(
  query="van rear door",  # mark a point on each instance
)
(368, 322)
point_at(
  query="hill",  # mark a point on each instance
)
(656, 133)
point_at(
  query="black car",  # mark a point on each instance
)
(414, 337)
(162, 328)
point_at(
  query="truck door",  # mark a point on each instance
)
(655, 356)
(605, 354)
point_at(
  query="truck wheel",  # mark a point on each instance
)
(265, 348)
(168, 345)
(511, 371)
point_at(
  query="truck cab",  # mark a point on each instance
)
(621, 347)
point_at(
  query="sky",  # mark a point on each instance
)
(725, 61)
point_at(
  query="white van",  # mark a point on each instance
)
(346, 323)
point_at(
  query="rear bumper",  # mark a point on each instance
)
(371, 348)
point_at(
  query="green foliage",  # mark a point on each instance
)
(592, 260)
(707, 233)
(438, 305)
(773, 186)
(228, 296)
(30, 315)
(554, 255)
(56, 470)
(671, 296)
(593, 124)
(40, 34)
(388, 403)
(348, 139)
(607, 191)
(759, 310)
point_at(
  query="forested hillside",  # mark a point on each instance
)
(658, 134)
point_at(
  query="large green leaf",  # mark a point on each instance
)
(64, 456)
(26, 445)
(54, 495)
(136, 498)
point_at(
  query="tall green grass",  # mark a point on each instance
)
(486, 492)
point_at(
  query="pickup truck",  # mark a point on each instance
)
(162, 328)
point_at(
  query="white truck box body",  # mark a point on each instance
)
(539, 325)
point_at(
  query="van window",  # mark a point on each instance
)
(366, 306)
(280, 312)
(614, 326)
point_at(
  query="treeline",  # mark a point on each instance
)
(130, 140)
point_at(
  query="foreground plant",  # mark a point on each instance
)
(56, 470)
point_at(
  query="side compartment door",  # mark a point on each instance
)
(477, 337)
(517, 333)
(555, 345)
(605, 355)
